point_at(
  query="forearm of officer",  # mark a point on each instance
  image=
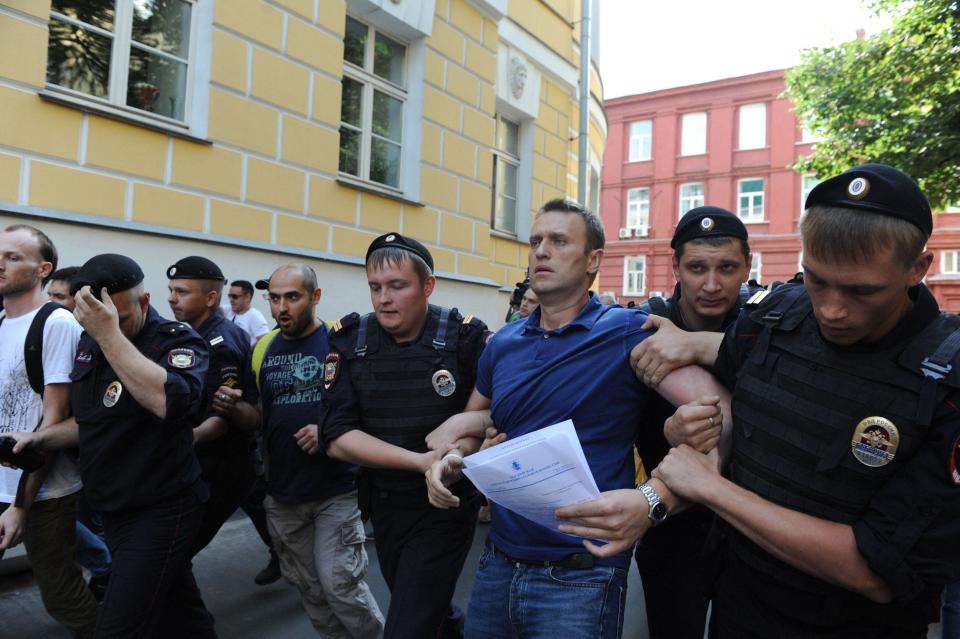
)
(244, 416)
(358, 447)
(824, 549)
(473, 422)
(210, 429)
(143, 379)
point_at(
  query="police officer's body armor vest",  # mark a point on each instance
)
(796, 405)
(399, 403)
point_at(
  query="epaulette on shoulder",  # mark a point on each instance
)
(345, 322)
(757, 298)
(173, 328)
(474, 322)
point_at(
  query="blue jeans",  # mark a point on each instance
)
(92, 552)
(950, 614)
(517, 600)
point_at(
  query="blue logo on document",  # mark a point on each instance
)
(516, 465)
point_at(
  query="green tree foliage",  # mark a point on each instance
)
(892, 98)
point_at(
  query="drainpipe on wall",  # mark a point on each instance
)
(583, 160)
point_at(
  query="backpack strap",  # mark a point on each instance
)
(33, 346)
(260, 351)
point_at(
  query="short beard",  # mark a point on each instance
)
(14, 288)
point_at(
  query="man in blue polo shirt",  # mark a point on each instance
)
(568, 360)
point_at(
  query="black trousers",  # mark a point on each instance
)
(152, 592)
(230, 480)
(252, 504)
(421, 550)
(677, 575)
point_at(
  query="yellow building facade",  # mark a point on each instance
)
(258, 132)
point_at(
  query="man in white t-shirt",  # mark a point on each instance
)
(241, 313)
(40, 508)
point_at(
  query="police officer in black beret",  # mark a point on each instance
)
(221, 433)
(136, 391)
(711, 262)
(842, 495)
(391, 378)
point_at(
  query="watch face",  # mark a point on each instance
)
(659, 512)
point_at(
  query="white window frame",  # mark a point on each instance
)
(756, 267)
(693, 124)
(950, 262)
(640, 142)
(755, 211)
(636, 210)
(805, 191)
(503, 155)
(638, 274)
(371, 82)
(693, 200)
(197, 96)
(750, 116)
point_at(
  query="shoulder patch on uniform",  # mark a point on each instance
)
(756, 298)
(216, 340)
(182, 358)
(331, 370)
(955, 461)
(466, 320)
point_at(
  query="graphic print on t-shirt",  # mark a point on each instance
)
(293, 378)
(18, 402)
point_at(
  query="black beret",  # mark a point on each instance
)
(396, 240)
(878, 188)
(195, 268)
(262, 285)
(707, 221)
(116, 272)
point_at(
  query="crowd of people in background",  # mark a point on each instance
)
(789, 454)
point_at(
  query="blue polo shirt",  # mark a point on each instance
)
(535, 378)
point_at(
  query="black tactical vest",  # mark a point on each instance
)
(796, 405)
(397, 384)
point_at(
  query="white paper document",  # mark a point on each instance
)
(535, 474)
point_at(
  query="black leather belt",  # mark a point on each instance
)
(579, 561)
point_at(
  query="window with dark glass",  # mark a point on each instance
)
(506, 164)
(127, 53)
(371, 112)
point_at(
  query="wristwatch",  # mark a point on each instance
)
(657, 511)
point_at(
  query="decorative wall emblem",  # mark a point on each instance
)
(518, 77)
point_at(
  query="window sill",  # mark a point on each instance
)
(121, 115)
(750, 221)
(504, 235)
(369, 187)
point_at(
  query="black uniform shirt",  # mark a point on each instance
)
(230, 354)
(909, 532)
(128, 456)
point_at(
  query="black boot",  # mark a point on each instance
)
(269, 574)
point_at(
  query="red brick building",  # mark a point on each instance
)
(726, 143)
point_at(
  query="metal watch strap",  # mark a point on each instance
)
(653, 500)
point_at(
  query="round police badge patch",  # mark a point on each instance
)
(444, 383)
(707, 223)
(875, 441)
(858, 188)
(182, 358)
(112, 396)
